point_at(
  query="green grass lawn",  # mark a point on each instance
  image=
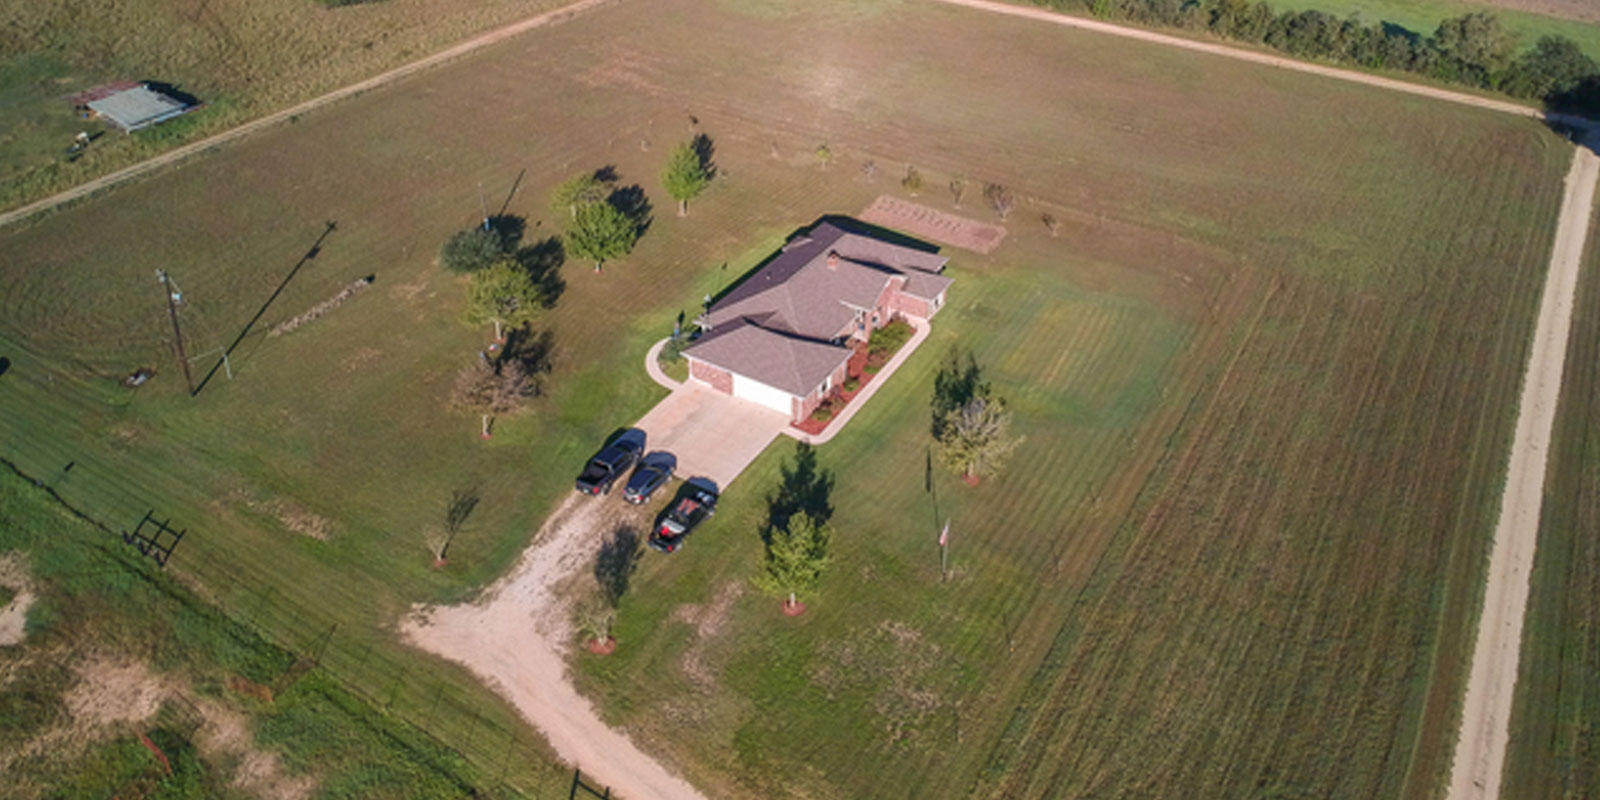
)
(97, 600)
(1422, 17)
(1552, 752)
(1266, 372)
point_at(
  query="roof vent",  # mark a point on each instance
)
(833, 259)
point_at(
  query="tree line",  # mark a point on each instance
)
(1474, 49)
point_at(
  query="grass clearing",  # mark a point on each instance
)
(243, 58)
(1266, 372)
(1528, 19)
(117, 649)
(1552, 752)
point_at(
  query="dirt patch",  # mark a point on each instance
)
(708, 620)
(291, 515)
(14, 616)
(114, 690)
(260, 773)
(933, 224)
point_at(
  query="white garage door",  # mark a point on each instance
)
(758, 392)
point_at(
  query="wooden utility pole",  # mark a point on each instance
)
(177, 333)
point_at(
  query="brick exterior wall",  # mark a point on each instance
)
(719, 379)
(910, 306)
(810, 402)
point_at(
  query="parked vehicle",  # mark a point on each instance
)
(690, 510)
(604, 469)
(651, 474)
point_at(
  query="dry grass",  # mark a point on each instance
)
(243, 58)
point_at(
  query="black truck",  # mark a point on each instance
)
(612, 463)
(689, 510)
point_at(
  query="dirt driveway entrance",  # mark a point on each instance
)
(712, 434)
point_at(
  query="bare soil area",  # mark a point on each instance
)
(14, 616)
(931, 223)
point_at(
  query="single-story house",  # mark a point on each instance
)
(131, 105)
(781, 338)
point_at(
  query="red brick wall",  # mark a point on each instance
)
(810, 402)
(720, 379)
(909, 306)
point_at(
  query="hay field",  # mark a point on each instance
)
(1267, 373)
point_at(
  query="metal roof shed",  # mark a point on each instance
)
(137, 106)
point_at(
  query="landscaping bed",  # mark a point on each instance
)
(869, 357)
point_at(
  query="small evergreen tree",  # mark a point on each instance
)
(473, 249)
(686, 175)
(796, 555)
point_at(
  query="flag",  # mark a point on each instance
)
(944, 535)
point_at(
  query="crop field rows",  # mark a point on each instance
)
(1265, 373)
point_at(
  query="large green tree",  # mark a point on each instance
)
(686, 175)
(1477, 45)
(600, 232)
(1554, 66)
(504, 294)
(797, 553)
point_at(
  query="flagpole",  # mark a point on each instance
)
(944, 552)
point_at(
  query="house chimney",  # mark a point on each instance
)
(833, 259)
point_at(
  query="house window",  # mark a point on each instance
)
(827, 384)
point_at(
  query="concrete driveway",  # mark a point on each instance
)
(713, 435)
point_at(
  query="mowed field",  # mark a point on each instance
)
(1553, 751)
(1577, 20)
(1266, 372)
(242, 58)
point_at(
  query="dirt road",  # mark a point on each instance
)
(1486, 715)
(513, 639)
(1252, 56)
(194, 148)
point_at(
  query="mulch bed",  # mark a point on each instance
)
(841, 398)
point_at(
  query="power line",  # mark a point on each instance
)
(173, 298)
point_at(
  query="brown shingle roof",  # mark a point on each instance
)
(791, 363)
(800, 293)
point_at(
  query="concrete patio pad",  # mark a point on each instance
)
(712, 434)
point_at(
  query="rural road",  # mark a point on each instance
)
(1486, 715)
(176, 155)
(513, 639)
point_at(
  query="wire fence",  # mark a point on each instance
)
(113, 490)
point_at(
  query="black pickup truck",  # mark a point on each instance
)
(674, 526)
(604, 469)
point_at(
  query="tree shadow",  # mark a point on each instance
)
(616, 562)
(606, 174)
(1400, 31)
(705, 150)
(631, 201)
(957, 382)
(802, 487)
(5, 365)
(543, 260)
(532, 350)
(510, 228)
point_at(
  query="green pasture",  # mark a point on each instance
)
(1266, 371)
